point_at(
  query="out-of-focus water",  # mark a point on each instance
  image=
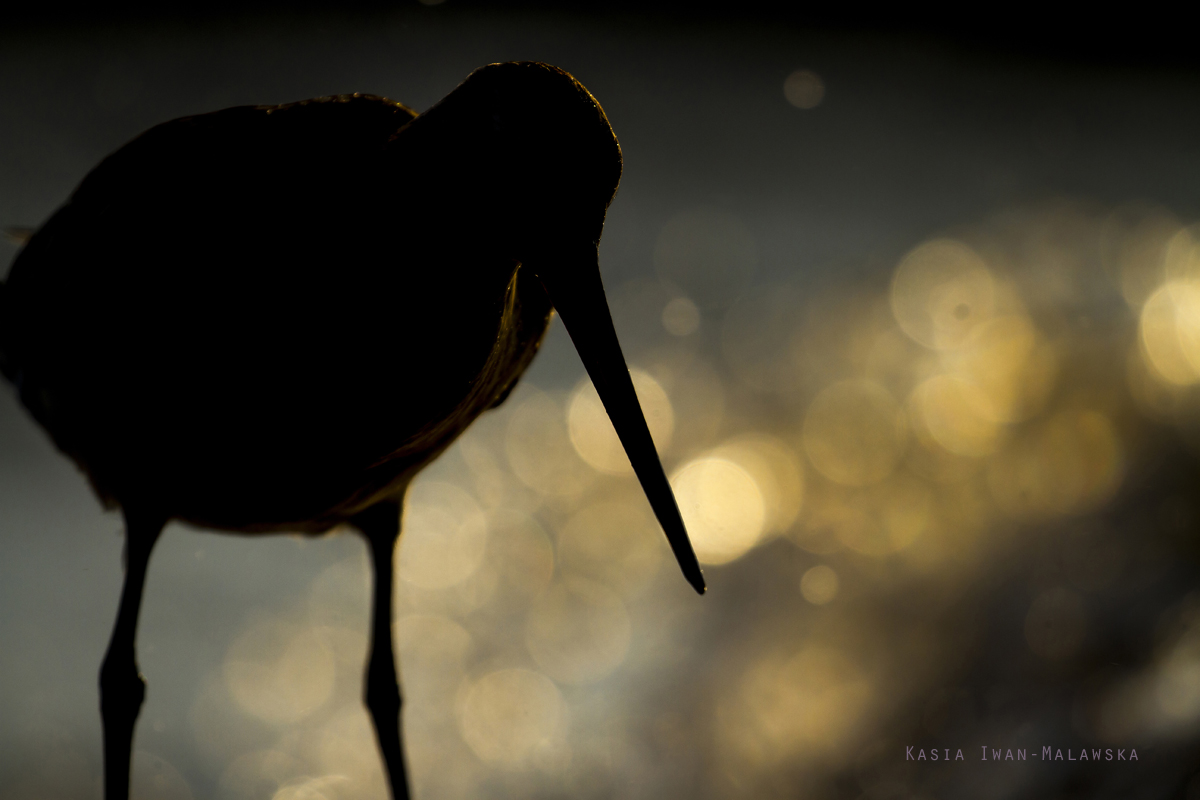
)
(917, 332)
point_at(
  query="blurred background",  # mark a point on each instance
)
(913, 308)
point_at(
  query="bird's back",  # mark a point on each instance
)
(248, 317)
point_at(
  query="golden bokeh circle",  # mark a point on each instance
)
(345, 745)
(433, 649)
(809, 703)
(1182, 257)
(722, 508)
(445, 536)
(1135, 246)
(776, 470)
(907, 510)
(819, 585)
(940, 291)
(617, 542)
(1169, 332)
(854, 433)
(279, 672)
(1006, 358)
(521, 553)
(957, 414)
(1071, 463)
(680, 317)
(592, 433)
(507, 714)
(578, 631)
(539, 448)
(804, 89)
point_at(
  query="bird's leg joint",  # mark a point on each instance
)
(122, 688)
(382, 693)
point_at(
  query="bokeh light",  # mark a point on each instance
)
(344, 745)
(1135, 242)
(1069, 463)
(804, 89)
(956, 414)
(539, 448)
(280, 673)
(507, 715)
(593, 435)
(578, 631)
(445, 534)
(819, 585)
(680, 317)
(722, 508)
(1170, 332)
(854, 433)
(808, 704)
(617, 542)
(434, 650)
(776, 471)
(521, 553)
(1177, 683)
(940, 292)
(1011, 364)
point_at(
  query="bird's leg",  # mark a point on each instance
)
(121, 687)
(381, 525)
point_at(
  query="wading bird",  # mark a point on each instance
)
(270, 318)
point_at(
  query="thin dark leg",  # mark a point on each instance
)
(381, 525)
(121, 687)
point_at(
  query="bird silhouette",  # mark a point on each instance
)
(270, 318)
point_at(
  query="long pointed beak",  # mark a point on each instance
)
(577, 293)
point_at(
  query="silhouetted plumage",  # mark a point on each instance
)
(269, 318)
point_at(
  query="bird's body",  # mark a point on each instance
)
(251, 382)
(270, 318)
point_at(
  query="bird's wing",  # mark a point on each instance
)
(217, 265)
(203, 219)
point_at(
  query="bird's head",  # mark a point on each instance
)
(526, 152)
(525, 147)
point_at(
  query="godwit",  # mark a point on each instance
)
(270, 318)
